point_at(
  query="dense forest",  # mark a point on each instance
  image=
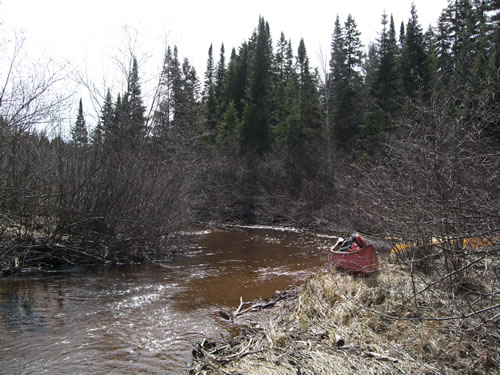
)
(401, 139)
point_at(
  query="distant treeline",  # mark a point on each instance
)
(404, 140)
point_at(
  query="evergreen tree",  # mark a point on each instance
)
(443, 43)
(210, 98)
(373, 117)
(97, 136)
(118, 117)
(210, 71)
(282, 69)
(300, 127)
(79, 132)
(310, 112)
(388, 80)
(103, 132)
(284, 59)
(177, 90)
(493, 6)
(177, 108)
(219, 79)
(431, 59)
(235, 80)
(290, 133)
(164, 112)
(226, 134)
(414, 69)
(132, 120)
(346, 83)
(337, 76)
(187, 113)
(465, 54)
(352, 48)
(255, 126)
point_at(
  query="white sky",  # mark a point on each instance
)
(90, 33)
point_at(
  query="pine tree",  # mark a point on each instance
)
(79, 133)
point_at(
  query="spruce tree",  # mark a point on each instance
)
(337, 76)
(347, 83)
(103, 133)
(226, 133)
(300, 127)
(282, 69)
(210, 99)
(383, 86)
(79, 132)
(310, 112)
(132, 120)
(187, 112)
(388, 80)
(177, 108)
(210, 71)
(235, 80)
(414, 69)
(177, 90)
(443, 44)
(219, 81)
(163, 114)
(255, 127)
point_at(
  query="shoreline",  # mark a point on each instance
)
(339, 323)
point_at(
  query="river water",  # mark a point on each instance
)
(144, 318)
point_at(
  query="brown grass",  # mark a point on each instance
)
(342, 324)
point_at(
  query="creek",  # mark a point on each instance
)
(145, 318)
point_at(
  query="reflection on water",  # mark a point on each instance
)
(144, 318)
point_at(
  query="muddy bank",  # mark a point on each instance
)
(338, 323)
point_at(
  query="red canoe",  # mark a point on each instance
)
(362, 261)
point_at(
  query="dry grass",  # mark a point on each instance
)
(343, 324)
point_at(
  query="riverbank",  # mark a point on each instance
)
(342, 324)
(26, 250)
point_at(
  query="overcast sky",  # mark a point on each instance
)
(89, 33)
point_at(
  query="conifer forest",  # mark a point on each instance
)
(401, 139)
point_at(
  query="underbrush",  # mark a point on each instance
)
(344, 324)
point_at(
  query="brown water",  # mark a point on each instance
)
(144, 318)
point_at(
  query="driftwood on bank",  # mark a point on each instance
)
(256, 306)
